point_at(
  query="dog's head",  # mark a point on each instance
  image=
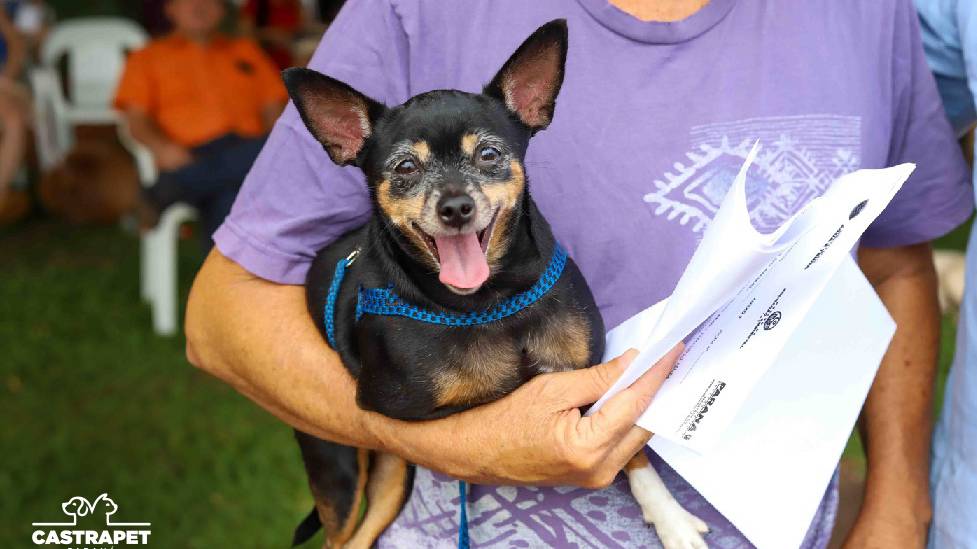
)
(445, 169)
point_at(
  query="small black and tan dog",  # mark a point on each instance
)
(455, 292)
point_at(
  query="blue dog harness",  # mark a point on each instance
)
(386, 302)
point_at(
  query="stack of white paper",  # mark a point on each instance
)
(783, 338)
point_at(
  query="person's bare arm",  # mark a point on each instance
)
(258, 337)
(16, 48)
(166, 154)
(897, 417)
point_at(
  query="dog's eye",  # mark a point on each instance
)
(406, 167)
(488, 154)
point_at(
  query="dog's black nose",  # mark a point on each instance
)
(456, 210)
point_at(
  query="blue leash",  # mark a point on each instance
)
(463, 518)
(337, 279)
(386, 302)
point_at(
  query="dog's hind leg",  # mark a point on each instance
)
(676, 527)
(386, 491)
(337, 479)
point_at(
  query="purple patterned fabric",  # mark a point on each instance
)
(562, 517)
(653, 122)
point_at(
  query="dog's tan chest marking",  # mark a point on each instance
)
(494, 364)
(562, 343)
(480, 372)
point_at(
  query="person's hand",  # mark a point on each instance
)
(538, 436)
(170, 156)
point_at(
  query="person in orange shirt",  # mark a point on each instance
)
(202, 102)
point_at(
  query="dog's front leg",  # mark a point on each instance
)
(386, 491)
(676, 527)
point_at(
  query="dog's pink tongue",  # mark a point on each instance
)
(463, 263)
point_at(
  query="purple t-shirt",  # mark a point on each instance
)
(652, 123)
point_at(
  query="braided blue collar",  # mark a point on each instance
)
(386, 302)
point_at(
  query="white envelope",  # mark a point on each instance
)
(783, 338)
(741, 297)
(771, 466)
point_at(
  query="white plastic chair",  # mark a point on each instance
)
(159, 259)
(95, 50)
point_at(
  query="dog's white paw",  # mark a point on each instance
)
(676, 527)
(680, 530)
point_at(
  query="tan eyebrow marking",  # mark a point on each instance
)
(422, 150)
(468, 143)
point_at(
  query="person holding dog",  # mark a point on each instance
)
(661, 102)
(202, 102)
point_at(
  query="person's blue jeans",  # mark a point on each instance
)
(210, 183)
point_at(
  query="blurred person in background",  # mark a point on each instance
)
(202, 102)
(318, 15)
(276, 25)
(32, 18)
(289, 30)
(950, 40)
(14, 102)
(152, 16)
(324, 10)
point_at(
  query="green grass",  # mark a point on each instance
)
(91, 402)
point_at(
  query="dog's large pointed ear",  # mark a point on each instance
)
(530, 80)
(338, 116)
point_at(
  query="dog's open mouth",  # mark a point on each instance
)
(462, 258)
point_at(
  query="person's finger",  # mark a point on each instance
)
(585, 386)
(619, 413)
(633, 442)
